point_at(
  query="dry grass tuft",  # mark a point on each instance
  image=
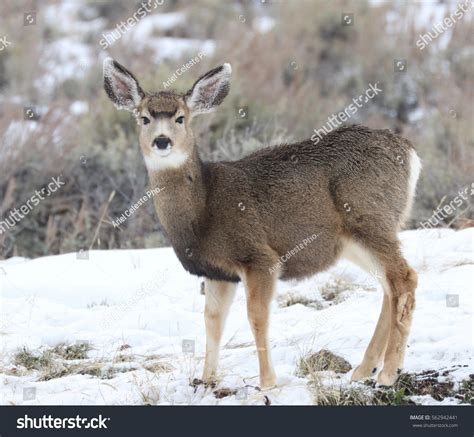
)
(341, 395)
(321, 361)
(335, 289)
(56, 363)
(76, 351)
(157, 366)
(292, 298)
(30, 361)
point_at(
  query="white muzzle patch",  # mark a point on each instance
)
(164, 159)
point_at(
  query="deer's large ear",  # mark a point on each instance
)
(121, 86)
(209, 90)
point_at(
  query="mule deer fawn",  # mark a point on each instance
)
(232, 221)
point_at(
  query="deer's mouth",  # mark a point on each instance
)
(164, 151)
(162, 145)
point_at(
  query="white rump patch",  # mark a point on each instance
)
(415, 169)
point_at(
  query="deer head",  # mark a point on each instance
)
(164, 117)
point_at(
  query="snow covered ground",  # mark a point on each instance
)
(135, 308)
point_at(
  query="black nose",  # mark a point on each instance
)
(162, 142)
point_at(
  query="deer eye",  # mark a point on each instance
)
(180, 120)
(145, 120)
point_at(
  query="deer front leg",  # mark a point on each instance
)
(259, 288)
(219, 296)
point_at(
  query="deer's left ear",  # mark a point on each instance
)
(121, 86)
(209, 90)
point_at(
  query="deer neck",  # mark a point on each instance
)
(181, 203)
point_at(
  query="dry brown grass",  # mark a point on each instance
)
(438, 385)
(65, 360)
(322, 361)
(335, 290)
(294, 298)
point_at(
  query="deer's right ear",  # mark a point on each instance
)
(121, 86)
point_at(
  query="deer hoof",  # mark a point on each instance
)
(363, 372)
(388, 377)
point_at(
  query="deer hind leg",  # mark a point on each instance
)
(219, 296)
(374, 354)
(259, 287)
(402, 280)
(373, 357)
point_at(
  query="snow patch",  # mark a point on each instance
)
(145, 299)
